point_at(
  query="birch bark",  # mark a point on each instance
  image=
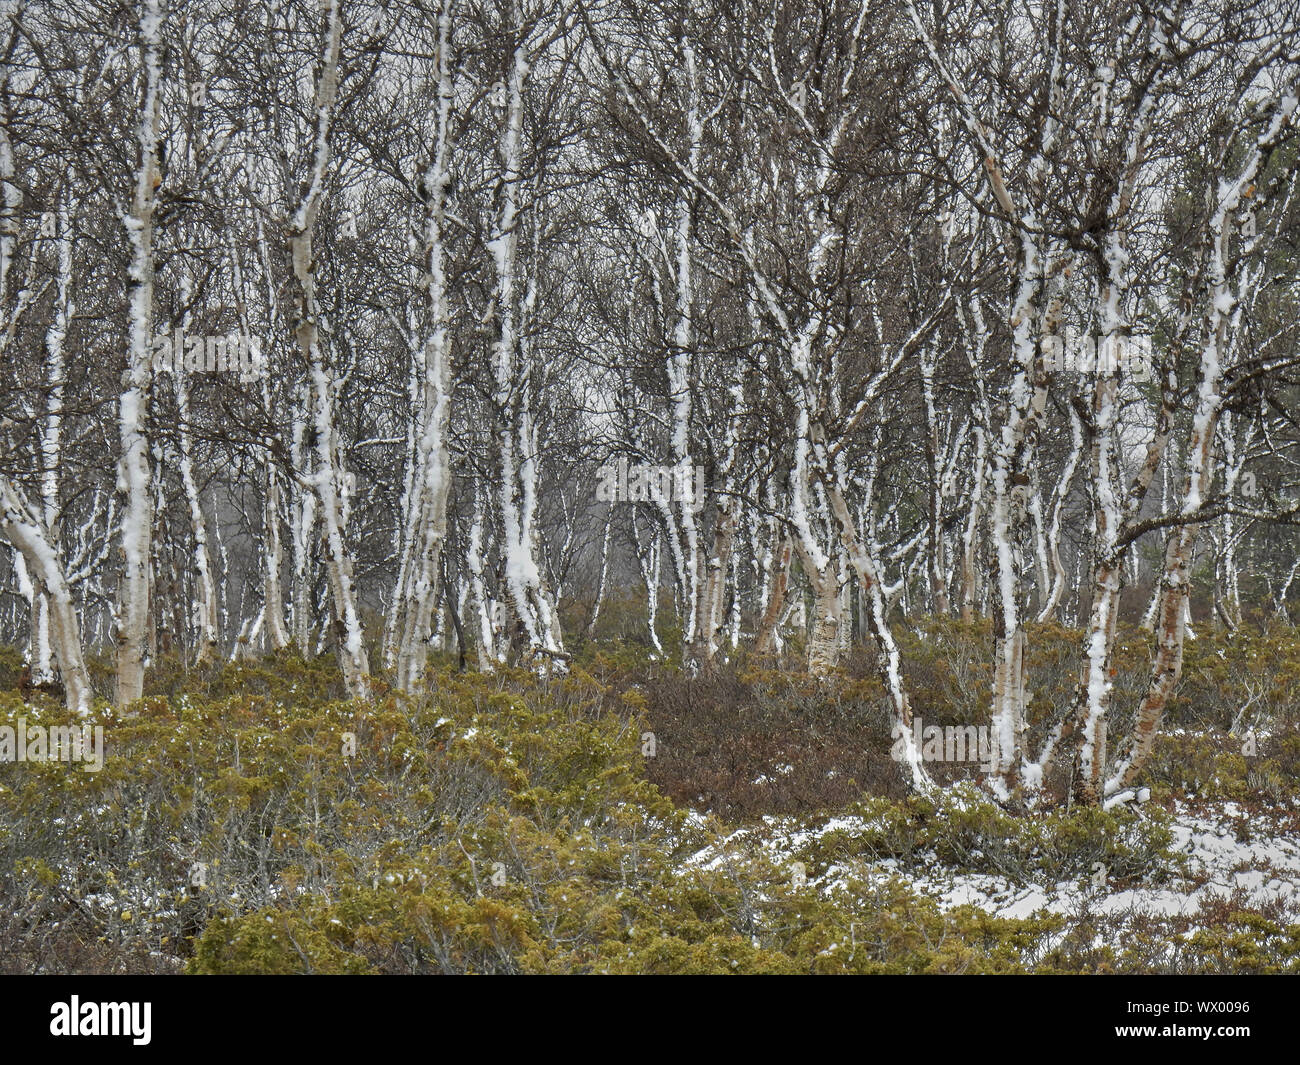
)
(133, 610)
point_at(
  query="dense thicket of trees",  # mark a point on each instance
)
(956, 308)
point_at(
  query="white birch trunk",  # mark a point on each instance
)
(432, 482)
(330, 480)
(25, 530)
(303, 507)
(133, 471)
(273, 617)
(516, 437)
(489, 657)
(206, 625)
(52, 430)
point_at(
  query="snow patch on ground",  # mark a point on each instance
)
(1254, 859)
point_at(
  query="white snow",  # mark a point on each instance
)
(1261, 870)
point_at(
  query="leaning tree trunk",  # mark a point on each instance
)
(25, 530)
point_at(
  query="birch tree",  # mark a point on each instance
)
(133, 411)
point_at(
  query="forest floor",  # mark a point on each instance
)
(627, 817)
(1227, 857)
